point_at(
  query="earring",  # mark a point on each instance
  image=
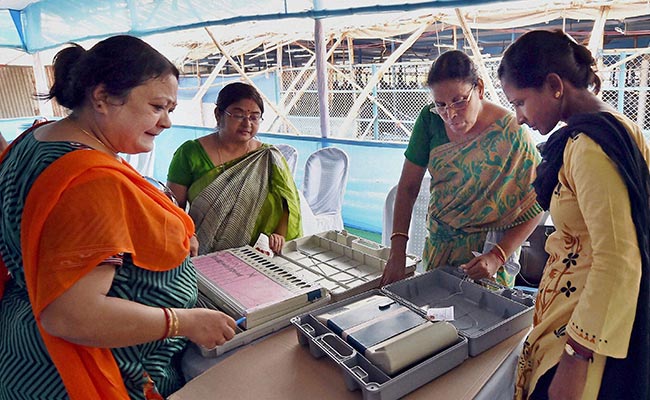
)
(557, 94)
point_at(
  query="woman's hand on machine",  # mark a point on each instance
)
(482, 266)
(395, 269)
(205, 327)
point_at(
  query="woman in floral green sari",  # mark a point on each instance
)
(237, 187)
(482, 165)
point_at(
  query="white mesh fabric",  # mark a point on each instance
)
(307, 217)
(418, 228)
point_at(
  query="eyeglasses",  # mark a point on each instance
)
(253, 118)
(162, 187)
(455, 106)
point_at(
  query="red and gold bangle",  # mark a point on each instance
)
(503, 252)
(499, 253)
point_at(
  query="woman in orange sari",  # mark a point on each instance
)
(96, 284)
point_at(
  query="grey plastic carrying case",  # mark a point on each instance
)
(484, 317)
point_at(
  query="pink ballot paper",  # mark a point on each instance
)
(240, 281)
(244, 282)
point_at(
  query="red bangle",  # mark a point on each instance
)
(168, 323)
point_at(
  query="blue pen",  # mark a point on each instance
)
(240, 321)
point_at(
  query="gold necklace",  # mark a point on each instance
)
(220, 156)
(95, 138)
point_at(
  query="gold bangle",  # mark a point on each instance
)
(173, 330)
(168, 323)
(503, 253)
(399, 234)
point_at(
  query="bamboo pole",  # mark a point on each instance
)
(298, 77)
(598, 33)
(350, 41)
(198, 97)
(40, 81)
(478, 59)
(351, 79)
(322, 81)
(637, 53)
(643, 94)
(213, 75)
(307, 82)
(363, 96)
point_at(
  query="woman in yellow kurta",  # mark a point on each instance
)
(589, 338)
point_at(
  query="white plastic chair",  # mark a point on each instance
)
(326, 176)
(290, 154)
(418, 228)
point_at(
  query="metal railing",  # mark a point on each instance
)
(390, 112)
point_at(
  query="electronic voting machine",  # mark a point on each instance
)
(246, 283)
(311, 272)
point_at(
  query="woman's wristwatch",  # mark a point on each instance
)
(579, 354)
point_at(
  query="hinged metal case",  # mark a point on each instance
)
(484, 317)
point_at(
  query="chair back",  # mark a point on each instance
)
(418, 228)
(142, 162)
(290, 154)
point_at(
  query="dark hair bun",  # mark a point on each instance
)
(120, 63)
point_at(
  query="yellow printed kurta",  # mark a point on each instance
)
(591, 280)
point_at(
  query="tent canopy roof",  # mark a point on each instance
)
(36, 25)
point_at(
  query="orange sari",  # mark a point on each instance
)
(138, 219)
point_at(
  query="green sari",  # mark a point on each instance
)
(481, 185)
(233, 203)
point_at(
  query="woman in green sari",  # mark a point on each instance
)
(237, 187)
(482, 165)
